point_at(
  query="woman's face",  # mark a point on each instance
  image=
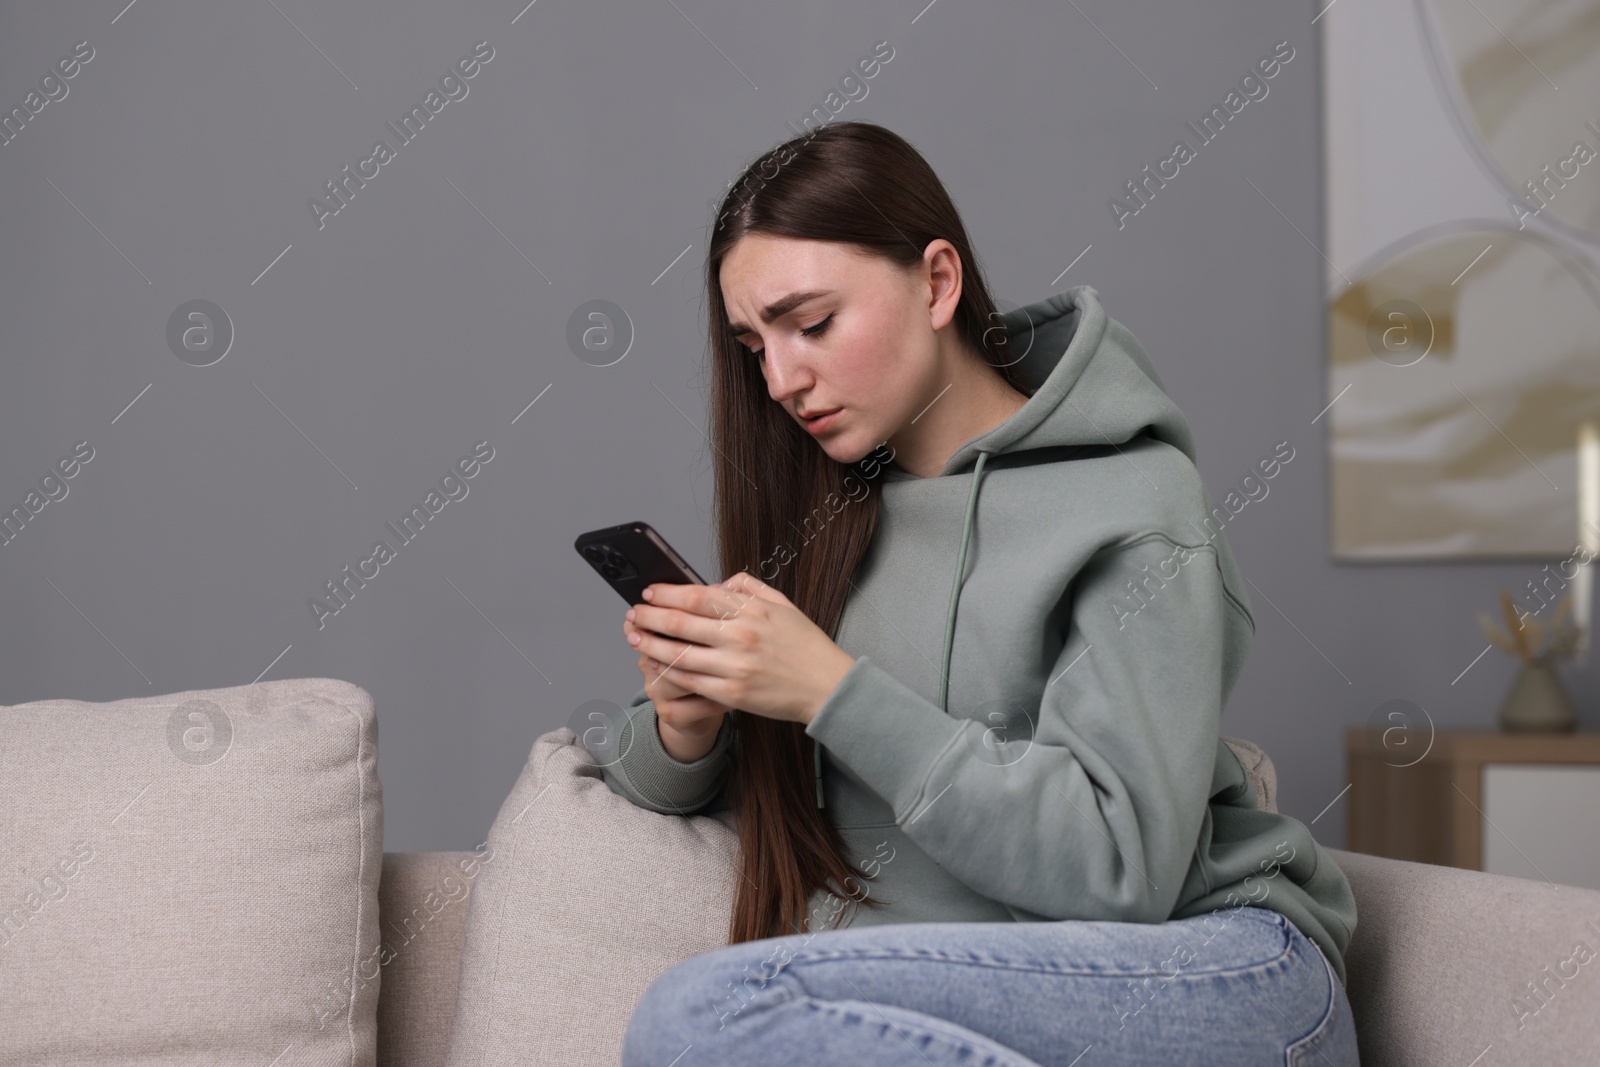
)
(832, 327)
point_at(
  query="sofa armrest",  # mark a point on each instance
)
(1447, 964)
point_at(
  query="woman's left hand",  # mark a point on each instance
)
(741, 643)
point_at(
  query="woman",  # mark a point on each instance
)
(970, 674)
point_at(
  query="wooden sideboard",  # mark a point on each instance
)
(1520, 804)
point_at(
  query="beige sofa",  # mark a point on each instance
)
(1441, 961)
(199, 878)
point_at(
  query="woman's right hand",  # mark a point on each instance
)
(687, 722)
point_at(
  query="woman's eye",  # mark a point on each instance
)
(819, 329)
(810, 331)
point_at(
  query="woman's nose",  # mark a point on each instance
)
(785, 376)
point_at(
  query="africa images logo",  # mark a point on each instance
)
(452, 87)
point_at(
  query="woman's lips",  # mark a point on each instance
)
(821, 422)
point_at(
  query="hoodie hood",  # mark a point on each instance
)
(1092, 385)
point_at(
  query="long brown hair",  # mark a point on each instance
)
(785, 510)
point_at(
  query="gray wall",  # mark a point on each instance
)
(433, 309)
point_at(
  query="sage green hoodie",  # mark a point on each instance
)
(1046, 634)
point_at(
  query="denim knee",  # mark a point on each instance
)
(697, 999)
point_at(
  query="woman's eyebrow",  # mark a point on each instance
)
(781, 306)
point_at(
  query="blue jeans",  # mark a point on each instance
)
(1238, 986)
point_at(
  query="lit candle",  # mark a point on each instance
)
(1588, 529)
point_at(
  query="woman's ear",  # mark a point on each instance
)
(943, 267)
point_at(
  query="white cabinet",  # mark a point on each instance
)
(1542, 821)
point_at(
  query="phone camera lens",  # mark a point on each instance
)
(608, 561)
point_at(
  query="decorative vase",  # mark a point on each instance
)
(1537, 702)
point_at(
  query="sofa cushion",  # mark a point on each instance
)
(191, 879)
(588, 900)
(1259, 769)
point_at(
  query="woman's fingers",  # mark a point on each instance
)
(657, 677)
(746, 584)
(670, 653)
(686, 626)
(628, 628)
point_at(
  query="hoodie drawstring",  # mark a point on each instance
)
(950, 618)
(960, 579)
(816, 748)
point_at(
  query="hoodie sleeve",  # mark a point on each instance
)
(1097, 814)
(636, 765)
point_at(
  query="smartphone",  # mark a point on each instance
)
(632, 556)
